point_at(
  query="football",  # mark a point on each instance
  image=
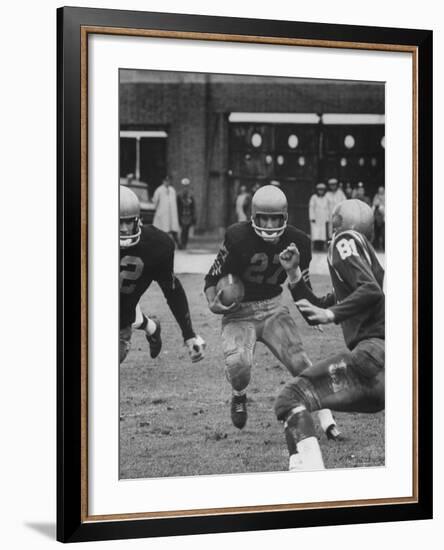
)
(233, 289)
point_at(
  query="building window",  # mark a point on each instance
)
(343, 161)
(301, 161)
(349, 141)
(256, 140)
(293, 141)
(383, 142)
(280, 160)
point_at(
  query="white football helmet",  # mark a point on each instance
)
(129, 212)
(353, 214)
(269, 200)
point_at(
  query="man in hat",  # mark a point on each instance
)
(187, 211)
(361, 194)
(318, 212)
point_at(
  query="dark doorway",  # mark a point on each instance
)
(153, 161)
(127, 156)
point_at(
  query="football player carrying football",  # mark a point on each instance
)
(351, 381)
(251, 251)
(146, 255)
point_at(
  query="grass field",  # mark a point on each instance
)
(175, 417)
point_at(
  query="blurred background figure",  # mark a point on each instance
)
(334, 195)
(359, 193)
(379, 214)
(243, 200)
(186, 208)
(318, 212)
(166, 217)
(247, 204)
(255, 187)
(348, 190)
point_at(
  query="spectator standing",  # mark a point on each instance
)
(166, 217)
(187, 211)
(379, 215)
(243, 200)
(318, 212)
(335, 195)
(348, 190)
(359, 193)
(247, 204)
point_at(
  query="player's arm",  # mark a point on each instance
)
(222, 265)
(355, 270)
(178, 303)
(305, 257)
(299, 284)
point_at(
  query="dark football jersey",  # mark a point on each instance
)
(256, 261)
(358, 280)
(358, 300)
(151, 259)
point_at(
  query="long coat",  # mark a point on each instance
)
(165, 201)
(318, 211)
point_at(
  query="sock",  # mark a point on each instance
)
(302, 441)
(146, 324)
(239, 393)
(150, 326)
(295, 464)
(310, 454)
(326, 419)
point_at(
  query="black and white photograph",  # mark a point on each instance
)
(252, 260)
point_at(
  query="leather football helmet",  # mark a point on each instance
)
(129, 212)
(269, 200)
(353, 214)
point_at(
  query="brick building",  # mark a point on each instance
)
(224, 130)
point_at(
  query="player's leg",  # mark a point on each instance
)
(124, 342)
(350, 382)
(281, 335)
(184, 235)
(238, 342)
(152, 329)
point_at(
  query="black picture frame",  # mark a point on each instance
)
(73, 523)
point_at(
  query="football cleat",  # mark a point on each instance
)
(333, 434)
(239, 410)
(269, 200)
(154, 340)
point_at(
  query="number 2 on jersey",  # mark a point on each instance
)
(133, 267)
(259, 263)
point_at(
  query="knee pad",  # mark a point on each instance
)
(238, 368)
(297, 393)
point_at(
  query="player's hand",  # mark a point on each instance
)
(196, 348)
(290, 257)
(314, 315)
(216, 306)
